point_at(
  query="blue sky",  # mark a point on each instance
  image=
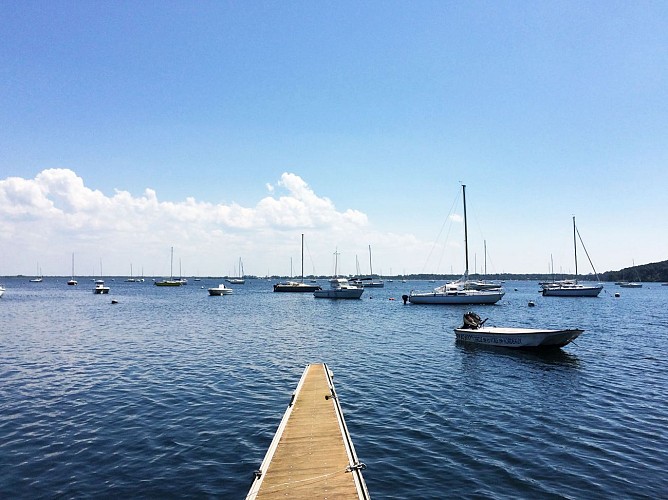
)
(250, 123)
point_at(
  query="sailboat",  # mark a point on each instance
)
(296, 286)
(483, 284)
(171, 281)
(131, 279)
(571, 288)
(339, 288)
(72, 281)
(239, 280)
(39, 277)
(631, 284)
(100, 288)
(368, 281)
(458, 292)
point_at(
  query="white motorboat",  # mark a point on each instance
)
(296, 286)
(460, 291)
(474, 331)
(571, 288)
(2, 290)
(100, 287)
(630, 284)
(220, 290)
(339, 288)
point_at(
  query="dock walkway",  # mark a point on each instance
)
(311, 455)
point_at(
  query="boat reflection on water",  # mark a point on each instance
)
(548, 358)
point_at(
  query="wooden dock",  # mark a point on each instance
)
(311, 455)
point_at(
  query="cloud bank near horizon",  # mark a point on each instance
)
(57, 212)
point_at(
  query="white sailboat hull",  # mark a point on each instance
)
(518, 337)
(462, 297)
(572, 291)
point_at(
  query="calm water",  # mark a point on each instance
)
(171, 392)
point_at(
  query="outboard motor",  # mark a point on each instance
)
(472, 321)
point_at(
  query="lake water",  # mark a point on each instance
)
(171, 392)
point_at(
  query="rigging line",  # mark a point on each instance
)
(447, 219)
(587, 253)
(308, 251)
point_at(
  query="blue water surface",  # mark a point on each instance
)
(172, 393)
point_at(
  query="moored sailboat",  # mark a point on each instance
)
(460, 291)
(339, 287)
(72, 281)
(171, 281)
(296, 286)
(571, 288)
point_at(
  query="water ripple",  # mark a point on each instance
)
(172, 393)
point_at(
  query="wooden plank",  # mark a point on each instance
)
(312, 455)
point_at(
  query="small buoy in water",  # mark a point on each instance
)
(515, 289)
(114, 301)
(531, 303)
(617, 294)
(404, 298)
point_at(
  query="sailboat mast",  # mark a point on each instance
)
(466, 236)
(485, 258)
(370, 266)
(575, 249)
(171, 265)
(302, 257)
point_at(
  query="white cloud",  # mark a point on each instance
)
(48, 217)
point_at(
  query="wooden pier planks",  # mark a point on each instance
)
(311, 455)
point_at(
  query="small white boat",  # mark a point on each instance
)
(220, 290)
(2, 290)
(100, 287)
(474, 331)
(339, 288)
(630, 284)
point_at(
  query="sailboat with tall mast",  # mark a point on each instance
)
(39, 278)
(72, 281)
(458, 292)
(296, 286)
(339, 287)
(368, 281)
(240, 280)
(571, 288)
(171, 281)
